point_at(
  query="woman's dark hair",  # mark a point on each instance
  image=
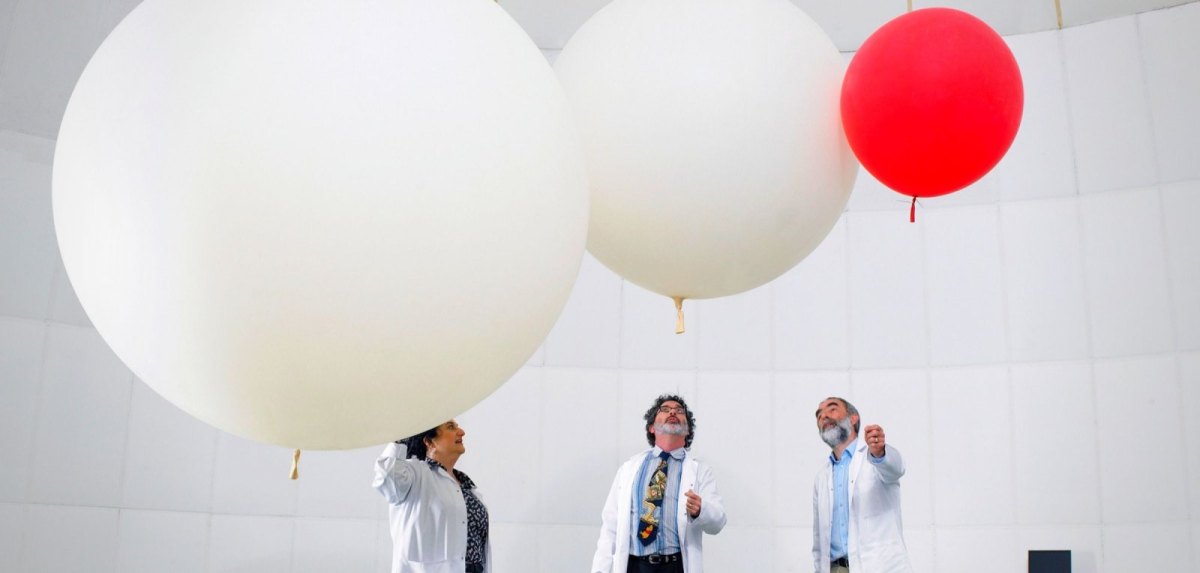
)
(416, 443)
(653, 411)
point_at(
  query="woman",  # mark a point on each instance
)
(438, 523)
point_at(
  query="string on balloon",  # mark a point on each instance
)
(678, 314)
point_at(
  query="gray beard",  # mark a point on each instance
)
(837, 434)
(671, 429)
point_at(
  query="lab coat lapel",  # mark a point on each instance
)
(856, 464)
(687, 482)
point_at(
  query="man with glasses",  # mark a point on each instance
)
(856, 497)
(662, 501)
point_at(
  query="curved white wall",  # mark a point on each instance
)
(1032, 344)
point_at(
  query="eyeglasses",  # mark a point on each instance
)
(669, 409)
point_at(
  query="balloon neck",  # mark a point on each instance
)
(295, 465)
(912, 210)
(678, 314)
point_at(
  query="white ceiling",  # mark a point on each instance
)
(44, 44)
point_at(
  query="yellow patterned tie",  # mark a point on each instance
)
(648, 528)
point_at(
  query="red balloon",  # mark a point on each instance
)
(932, 101)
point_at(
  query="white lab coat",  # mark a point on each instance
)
(612, 548)
(876, 534)
(427, 515)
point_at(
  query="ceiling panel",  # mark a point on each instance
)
(849, 23)
(551, 22)
(1007, 18)
(1079, 12)
(47, 45)
(44, 44)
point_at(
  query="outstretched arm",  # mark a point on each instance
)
(884, 458)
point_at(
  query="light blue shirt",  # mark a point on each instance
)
(840, 532)
(667, 541)
(839, 544)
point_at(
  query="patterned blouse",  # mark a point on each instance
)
(477, 517)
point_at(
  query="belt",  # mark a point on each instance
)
(474, 568)
(842, 561)
(657, 559)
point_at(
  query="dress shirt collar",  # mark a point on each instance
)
(847, 454)
(677, 453)
(461, 477)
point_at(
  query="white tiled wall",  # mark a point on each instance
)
(1054, 434)
(811, 310)
(1172, 82)
(323, 545)
(505, 450)
(736, 332)
(742, 458)
(588, 333)
(1139, 427)
(793, 406)
(1040, 163)
(1125, 269)
(70, 538)
(1189, 381)
(27, 242)
(1183, 260)
(981, 549)
(516, 547)
(729, 549)
(12, 534)
(82, 424)
(921, 542)
(1126, 547)
(155, 541)
(64, 305)
(1031, 345)
(251, 543)
(574, 404)
(249, 478)
(39, 70)
(559, 545)
(333, 485)
(964, 286)
(972, 436)
(1043, 281)
(21, 344)
(170, 457)
(1109, 113)
(899, 401)
(792, 549)
(887, 291)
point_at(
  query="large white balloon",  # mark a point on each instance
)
(714, 143)
(321, 224)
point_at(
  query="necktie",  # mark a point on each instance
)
(648, 528)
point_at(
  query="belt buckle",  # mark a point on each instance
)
(655, 559)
